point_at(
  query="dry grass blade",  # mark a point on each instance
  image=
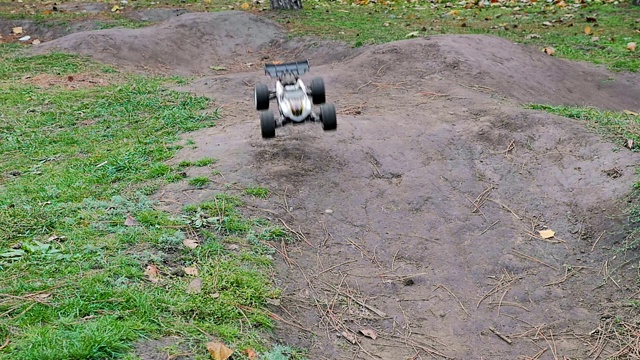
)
(505, 281)
(454, 296)
(6, 342)
(525, 256)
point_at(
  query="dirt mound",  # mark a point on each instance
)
(185, 44)
(495, 65)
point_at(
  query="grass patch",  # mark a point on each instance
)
(258, 192)
(619, 127)
(199, 181)
(73, 282)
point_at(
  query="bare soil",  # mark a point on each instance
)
(419, 217)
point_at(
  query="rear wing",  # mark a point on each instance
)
(294, 68)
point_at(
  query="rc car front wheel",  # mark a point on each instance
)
(262, 97)
(267, 124)
(317, 91)
(328, 116)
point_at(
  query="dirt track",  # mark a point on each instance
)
(424, 205)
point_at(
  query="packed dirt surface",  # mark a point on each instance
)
(420, 217)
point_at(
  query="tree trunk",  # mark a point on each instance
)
(289, 4)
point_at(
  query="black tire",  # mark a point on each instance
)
(317, 91)
(262, 97)
(267, 124)
(328, 117)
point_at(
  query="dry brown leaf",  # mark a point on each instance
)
(370, 333)
(195, 286)
(17, 30)
(587, 30)
(191, 271)
(632, 113)
(218, 351)
(632, 46)
(549, 51)
(251, 354)
(547, 234)
(190, 243)
(36, 42)
(350, 337)
(152, 273)
(630, 143)
(130, 221)
(244, 6)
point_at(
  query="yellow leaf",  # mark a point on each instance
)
(152, 272)
(17, 30)
(218, 351)
(190, 243)
(251, 354)
(549, 51)
(244, 6)
(587, 30)
(547, 234)
(115, 8)
(191, 271)
(632, 46)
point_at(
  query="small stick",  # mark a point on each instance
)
(335, 266)
(538, 354)
(532, 259)
(454, 296)
(380, 69)
(506, 207)
(393, 261)
(365, 84)
(6, 342)
(498, 334)
(299, 235)
(489, 228)
(509, 303)
(500, 302)
(598, 239)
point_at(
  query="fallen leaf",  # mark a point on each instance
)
(251, 354)
(218, 351)
(350, 337)
(43, 296)
(412, 34)
(630, 143)
(274, 302)
(533, 36)
(36, 42)
(244, 6)
(152, 273)
(217, 68)
(370, 333)
(115, 8)
(190, 243)
(195, 286)
(191, 271)
(549, 51)
(587, 30)
(629, 112)
(17, 30)
(25, 38)
(55, 237)
(215, 295)
(546, 23)
(130, 221)
(547, 234)
(591, 19)
(632, 46)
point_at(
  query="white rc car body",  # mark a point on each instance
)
(295, 100)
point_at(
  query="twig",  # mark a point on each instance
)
(506, 208)
(498, 334)
(538, 354)
(298, 234)
(6, 342)
(532, 259)
(454, 296)
(361, 86)
(489, 228)
(598, 239)
(393, 260)
(335, 266)
(380, 313)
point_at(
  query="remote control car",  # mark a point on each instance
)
(294, 99)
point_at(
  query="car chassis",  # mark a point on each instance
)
(294, 99)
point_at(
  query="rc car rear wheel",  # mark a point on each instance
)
(267, 124)
(317, 91)
(262, 97)
(328, 116)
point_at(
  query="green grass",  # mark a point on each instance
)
(72, 273)
(199, 181)
(258, 192)
(618, 126)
